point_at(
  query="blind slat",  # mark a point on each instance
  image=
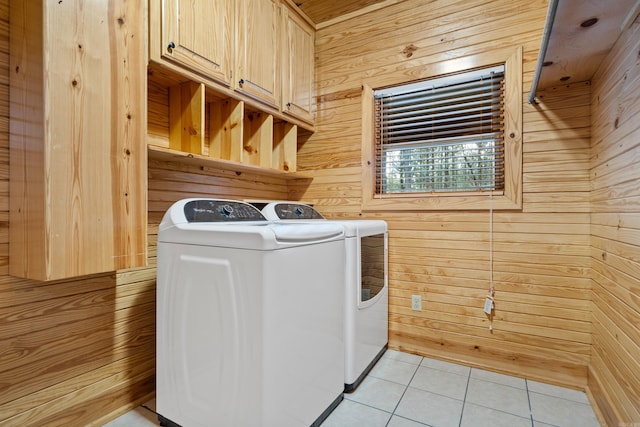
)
(425, 137)
(484, 138)
(400, 127)
(429, 99)
(491, 113)
(441, 82)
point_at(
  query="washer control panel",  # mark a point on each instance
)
(208, 210)
(296, 211)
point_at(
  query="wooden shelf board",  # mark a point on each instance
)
(166, 154)
(577, 52)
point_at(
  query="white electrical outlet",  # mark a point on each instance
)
(416, 303)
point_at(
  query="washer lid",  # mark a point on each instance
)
(292, 233)
(361, 227)
(297, 213)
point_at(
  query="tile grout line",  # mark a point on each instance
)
(525, 389)
(464, 401)
(526, 386)
(405, 391)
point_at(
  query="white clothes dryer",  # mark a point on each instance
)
(366, 297)
(249, 318)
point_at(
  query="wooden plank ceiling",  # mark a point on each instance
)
(325, 10)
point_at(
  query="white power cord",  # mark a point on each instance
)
(489, 302)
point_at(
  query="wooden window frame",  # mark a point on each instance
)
(508, 199)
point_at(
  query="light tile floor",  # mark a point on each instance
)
(405, 390)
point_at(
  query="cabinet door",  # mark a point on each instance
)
(297, 74)
(78, 158)
(198, 35)
(258, 50)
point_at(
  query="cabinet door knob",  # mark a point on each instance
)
(288, 105)
(171, 46)
(241, 82)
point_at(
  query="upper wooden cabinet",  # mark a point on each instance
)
(297, 70)
(199, 34)
(258, 49)
(78, 159)
(234, 114)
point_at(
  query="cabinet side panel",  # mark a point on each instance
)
(27, 240)
(128, 139)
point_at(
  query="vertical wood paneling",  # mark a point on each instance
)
(541, 254)
(614, 376)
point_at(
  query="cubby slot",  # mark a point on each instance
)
(226, 129)
(285, 139)
(257, 139)
(186, 117)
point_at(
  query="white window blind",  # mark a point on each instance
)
(441, 135)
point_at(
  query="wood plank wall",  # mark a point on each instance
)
(542, 326)
(614, 375)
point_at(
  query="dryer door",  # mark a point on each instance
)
(373, 255)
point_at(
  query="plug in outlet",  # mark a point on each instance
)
(416, 302)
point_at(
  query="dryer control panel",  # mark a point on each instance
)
(221, 211)
(296, 211)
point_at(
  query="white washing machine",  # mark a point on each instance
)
(366, 316)
(249, 318)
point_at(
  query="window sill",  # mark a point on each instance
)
(442, 201)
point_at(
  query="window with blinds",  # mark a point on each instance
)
(441, 135)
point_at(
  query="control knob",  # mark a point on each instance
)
(226, 211)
